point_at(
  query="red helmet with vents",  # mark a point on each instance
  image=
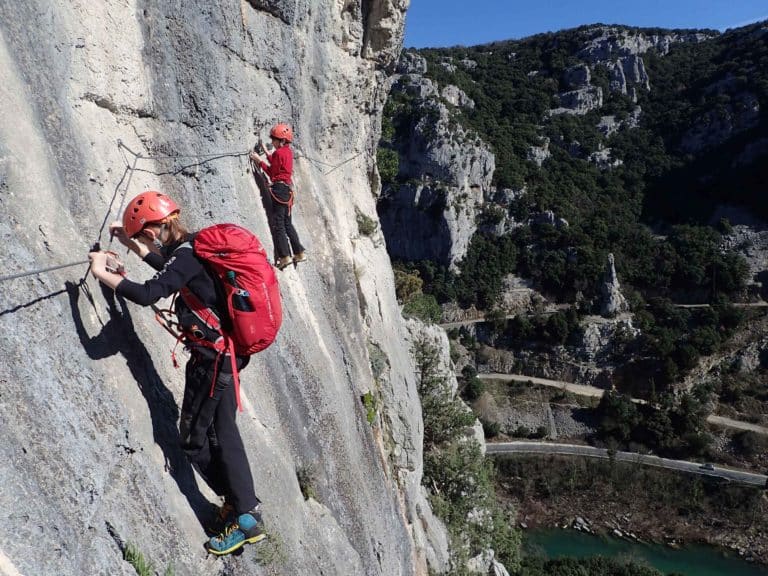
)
(147, 208)
(282, 132)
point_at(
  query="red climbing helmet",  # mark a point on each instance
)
(147, 208)
(282, 132)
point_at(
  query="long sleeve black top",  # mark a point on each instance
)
(177, 267)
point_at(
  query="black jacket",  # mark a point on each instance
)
(177, 267)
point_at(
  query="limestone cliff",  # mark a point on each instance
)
(88, 397)
(445, 172)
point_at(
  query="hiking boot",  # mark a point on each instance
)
(245, 530)
(225, 514)
(283, 262)
(300, 257)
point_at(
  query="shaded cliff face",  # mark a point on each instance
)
(88, 397)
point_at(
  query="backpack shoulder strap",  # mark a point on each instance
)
(205, 313)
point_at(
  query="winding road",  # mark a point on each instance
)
(501, 449)
(558, 307)
(594, 392)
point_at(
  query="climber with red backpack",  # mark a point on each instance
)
(228, 308)
(278, 198)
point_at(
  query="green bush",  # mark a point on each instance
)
(424, 307)
(388, 162)
(365, 224)
(370, 404)
(456, 473)
(407, 284)
(307, 477)
(473, 389)
(749, 443)
(491, 429)
(142, 566)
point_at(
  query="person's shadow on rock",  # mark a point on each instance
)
(118, 336)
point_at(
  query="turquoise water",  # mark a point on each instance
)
(690, 561)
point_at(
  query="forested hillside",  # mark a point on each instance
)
(667, 175)
(581, 190)
(645, 143)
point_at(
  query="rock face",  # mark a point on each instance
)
(447, 172)
(456, 97)
(538, 154)
(89, 396)
(613, 301)
(579, 101)
(620, 51)
(609, 42)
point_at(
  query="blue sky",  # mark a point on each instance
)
(438, 23)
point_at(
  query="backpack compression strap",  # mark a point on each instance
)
(224, 345)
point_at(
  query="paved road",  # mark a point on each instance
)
(594, 392)
(726, 474)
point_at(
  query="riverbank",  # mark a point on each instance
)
(634, 503)
(688, 561)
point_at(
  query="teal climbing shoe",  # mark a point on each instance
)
(245, 530)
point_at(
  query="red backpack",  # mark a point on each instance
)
(252, 297)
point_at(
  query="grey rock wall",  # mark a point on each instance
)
(446, 170)
(88, 402)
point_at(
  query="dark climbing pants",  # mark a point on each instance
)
(276, 203)
(209, 434)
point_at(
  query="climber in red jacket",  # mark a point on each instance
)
(278, 204)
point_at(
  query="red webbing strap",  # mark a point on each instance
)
(202, 311)
(209, 317)
(289, 202)
(235, 374)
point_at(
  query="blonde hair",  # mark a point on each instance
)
(177, 232)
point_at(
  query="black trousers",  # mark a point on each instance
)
(209, 434)
(284, 236)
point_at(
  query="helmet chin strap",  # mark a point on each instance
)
(156, 240)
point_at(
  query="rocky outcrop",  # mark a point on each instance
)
(603, 160)
(538, 154)
(548, 217)
(609, 42)
(620, 51)
(600, 339)
(456, 97)
(751, 242)
(89, 395)
(416, 86)
(579, 101)
(577, 77)
(613, 301)
(447, 172)
(411, 63)
(626, 74)
(609, 125)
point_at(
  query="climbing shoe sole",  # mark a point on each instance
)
(234, 547)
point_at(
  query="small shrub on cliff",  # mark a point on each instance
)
(388, 162)
(365, 224)
(456, 473)
(445, 417)
(407, 284)
(423, 307)
(143, 567)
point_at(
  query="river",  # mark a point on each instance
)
(689, 561)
